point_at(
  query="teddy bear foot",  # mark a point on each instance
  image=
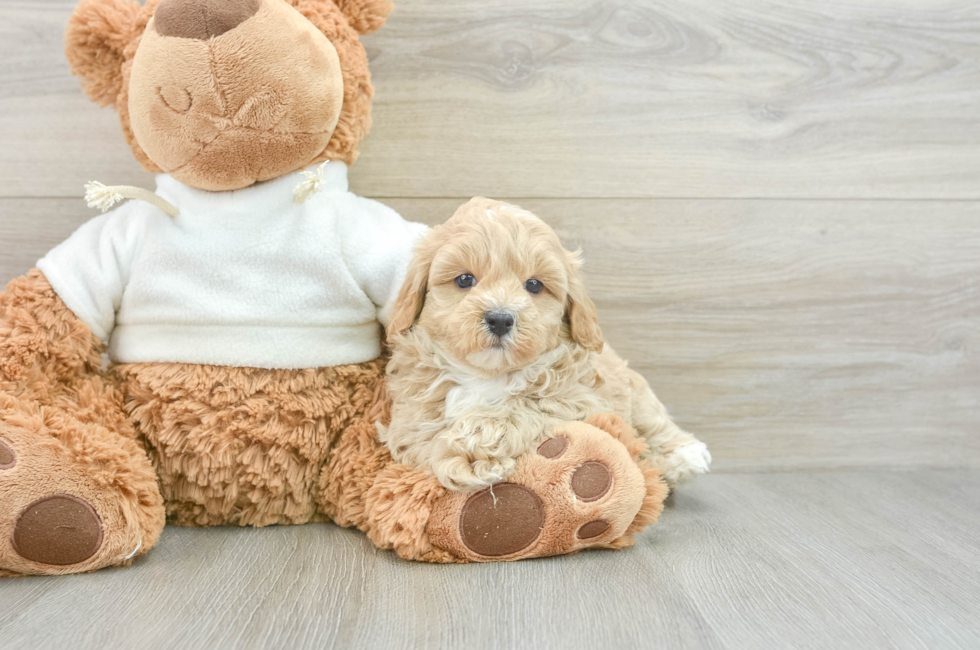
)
(68, 506)
(58, 530)
(582, 489)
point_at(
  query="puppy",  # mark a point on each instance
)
(494, 340)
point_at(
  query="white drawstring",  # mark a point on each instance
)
(104, 197)
(312, 184)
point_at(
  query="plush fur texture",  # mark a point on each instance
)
(66, 422)
(209, 445)
(468, 402)
(244, 446)
(365, 16)
(98, 34)
(634, 500)
(406, 509)
(219, 120)
(295, 110)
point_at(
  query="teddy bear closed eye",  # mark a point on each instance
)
(240, 306)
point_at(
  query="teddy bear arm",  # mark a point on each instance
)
(377, 248)
(42, 342)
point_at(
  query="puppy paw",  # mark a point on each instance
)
(685, 462)
(461, 474)
(581, 488)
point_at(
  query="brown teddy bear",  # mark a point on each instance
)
(211, 354)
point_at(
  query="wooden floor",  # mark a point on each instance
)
(779, 206)
(868, 559)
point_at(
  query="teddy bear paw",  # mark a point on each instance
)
(582, 488)
(41, 526)
(55, 518)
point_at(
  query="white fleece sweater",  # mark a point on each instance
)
(244, 278)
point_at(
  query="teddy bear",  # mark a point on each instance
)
(211, 353)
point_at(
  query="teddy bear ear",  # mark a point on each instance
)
(97, 35)
(365, 15)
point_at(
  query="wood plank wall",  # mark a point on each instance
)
(778, 201)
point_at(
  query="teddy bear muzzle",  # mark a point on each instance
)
(226, 93)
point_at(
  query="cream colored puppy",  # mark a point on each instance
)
(494, 340)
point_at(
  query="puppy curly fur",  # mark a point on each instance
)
(466, 402)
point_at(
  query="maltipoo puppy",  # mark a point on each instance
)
(494, 340)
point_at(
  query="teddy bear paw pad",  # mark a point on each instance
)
(581, 488)
(592, 529)
(553, 447)
(7, 456)
(501, 520)
(58, 530)
(591, 481)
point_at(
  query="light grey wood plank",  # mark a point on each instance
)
(29, 228)
(738, 561)
(641, 98)
(787, 334)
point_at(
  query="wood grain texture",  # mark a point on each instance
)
(819, 560)
(787, 334)
(589, 98)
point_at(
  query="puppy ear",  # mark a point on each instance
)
(97, 35)
(580, 311)
(411, 298)
(365, 16)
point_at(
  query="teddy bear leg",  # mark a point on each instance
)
(77, 492)
(75, 496)
(361, 486)
(582, 488)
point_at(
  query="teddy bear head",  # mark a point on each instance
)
(225, 93)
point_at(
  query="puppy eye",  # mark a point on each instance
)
(534, 286)
(465, 281)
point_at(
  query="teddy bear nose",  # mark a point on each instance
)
(202, 19)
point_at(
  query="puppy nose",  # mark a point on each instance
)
(499, 322)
